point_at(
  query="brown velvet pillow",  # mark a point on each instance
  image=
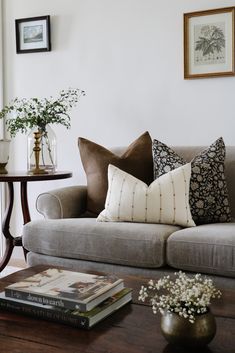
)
(136, 160)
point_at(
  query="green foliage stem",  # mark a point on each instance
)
(24, 114)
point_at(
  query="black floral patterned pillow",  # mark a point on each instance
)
(208, 195)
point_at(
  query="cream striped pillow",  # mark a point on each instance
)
(166, 200)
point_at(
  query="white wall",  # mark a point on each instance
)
(1, 64)
(1, 123)
(128, 57)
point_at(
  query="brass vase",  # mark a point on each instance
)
(41, 150)
(179, 331)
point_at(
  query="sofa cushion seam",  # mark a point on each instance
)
(69, 254)
(198, 266)
(200, 243)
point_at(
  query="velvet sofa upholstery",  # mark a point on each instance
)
(67, 238)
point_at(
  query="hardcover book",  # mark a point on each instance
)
(65, 289)
(71, 317)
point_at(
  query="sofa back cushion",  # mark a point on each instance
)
(230, 177)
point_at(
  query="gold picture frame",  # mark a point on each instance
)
(209, 42)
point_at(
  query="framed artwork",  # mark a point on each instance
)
(33, 34)
(209, 43)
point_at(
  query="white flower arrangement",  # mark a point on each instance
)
(185, 296)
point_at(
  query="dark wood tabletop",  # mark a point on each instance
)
(22, 176)
(132, 329)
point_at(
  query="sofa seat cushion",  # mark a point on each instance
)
(208, 248)
(123, 243)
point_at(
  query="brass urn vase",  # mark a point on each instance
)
(42, 148)
(179, 331)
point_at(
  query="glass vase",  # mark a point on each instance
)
(4, 155)
(47, 153)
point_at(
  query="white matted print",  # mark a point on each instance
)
(209, 43)
(33, 34)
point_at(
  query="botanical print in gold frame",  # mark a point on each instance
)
(209, 43)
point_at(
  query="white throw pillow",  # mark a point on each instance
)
(165, 201)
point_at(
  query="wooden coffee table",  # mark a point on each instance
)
(132, 329)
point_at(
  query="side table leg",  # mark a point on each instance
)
(24, 202)
(5, 228)
(25, 207)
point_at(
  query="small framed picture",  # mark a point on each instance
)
(33, 34)
(209, 40)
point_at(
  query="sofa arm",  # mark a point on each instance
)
(68, 202)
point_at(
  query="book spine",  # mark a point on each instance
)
(44, 313)
(41, 299)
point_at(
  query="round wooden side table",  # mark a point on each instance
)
(23, 178)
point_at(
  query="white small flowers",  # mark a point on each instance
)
(186, 296)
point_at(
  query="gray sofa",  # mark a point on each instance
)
(65, 238)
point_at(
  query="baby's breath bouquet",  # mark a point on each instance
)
(185, 296)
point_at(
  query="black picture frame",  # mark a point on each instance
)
(33, 34)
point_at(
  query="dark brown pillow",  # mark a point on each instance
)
(136, 160)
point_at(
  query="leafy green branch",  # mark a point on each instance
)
(24, 114)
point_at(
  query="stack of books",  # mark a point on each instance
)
(69, 297)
